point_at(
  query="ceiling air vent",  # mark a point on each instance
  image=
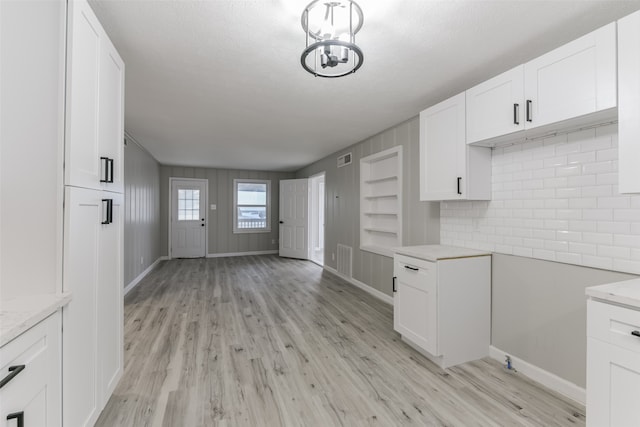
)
(344, 160)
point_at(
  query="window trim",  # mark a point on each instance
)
(234, 212)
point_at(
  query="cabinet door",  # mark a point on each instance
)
(95, 123)
(613, 385)
(35, 392)
(415, 306)
(83, 217)
(496, 107)
(32, 142)
(443, 150)
(82, 155)
(111, 113)
(573, 80)
(629, 103)
(109, 294)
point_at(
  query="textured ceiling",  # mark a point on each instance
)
(219, 83)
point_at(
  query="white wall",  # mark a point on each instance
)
(554, 199)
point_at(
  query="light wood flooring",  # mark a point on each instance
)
(269, 341)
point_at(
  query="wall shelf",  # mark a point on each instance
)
(381, 201)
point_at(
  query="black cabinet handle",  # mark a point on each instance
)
(408, 267)
(636, 333)
(529, 102)
(394, 284)
(109, 211)
(14, 371)
(459, 181)
(18, 416)
(516, 114)
(105, 169)
(110, 161)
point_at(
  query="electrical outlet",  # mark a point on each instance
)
(333, 256)
(141, 260)
(273, 241)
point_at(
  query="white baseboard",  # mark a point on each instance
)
(376, 293)
(229, 254)
(141, 276)
(546, 378)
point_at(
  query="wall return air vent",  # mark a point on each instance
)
(344, 160)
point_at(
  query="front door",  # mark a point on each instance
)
(294, 218)
(188, 218)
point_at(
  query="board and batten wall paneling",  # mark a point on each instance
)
(221, 239)
(342, 219)
(142, 211)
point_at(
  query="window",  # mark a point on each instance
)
(188, 205)
(251, 205)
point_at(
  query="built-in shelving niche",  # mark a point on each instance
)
(381, 201)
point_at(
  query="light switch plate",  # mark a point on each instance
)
(214, 207)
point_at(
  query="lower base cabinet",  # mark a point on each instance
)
(32, 365)
(443, 308)
(93, 320)
(613, 365)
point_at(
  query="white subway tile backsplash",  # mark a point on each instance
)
(583, 248)
(554, 199)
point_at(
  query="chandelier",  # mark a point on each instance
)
(331, 27)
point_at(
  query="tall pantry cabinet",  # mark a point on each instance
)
(93, 220)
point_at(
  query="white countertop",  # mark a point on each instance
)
(438, 252)
(19, 314)
(626, 292)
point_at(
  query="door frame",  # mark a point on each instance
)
(206, 212)
(313, 214)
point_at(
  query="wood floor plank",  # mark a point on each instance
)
(269, 341)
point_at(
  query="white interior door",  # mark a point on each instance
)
(294, 218)
(188, 218)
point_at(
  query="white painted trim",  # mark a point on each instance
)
(546, 378)
(230, 254)
(376, 293)
(142, 275)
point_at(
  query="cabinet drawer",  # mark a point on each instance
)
(614, 324)
(35, 390)
(415, 272)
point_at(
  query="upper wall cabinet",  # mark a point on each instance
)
(95, 104)
(573, 80)
(629, 103)
(569, 87)
(449, 168)
(494, 107)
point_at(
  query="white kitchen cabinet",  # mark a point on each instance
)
(449, 168)
(95, 104)
(569, 87)
(629, 103)
(574, 80)
(32, 142)
(613, 364)
(496, 107)
(443, 307)
(93, 322)
(30, 372)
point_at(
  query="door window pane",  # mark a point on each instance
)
(188, 205)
